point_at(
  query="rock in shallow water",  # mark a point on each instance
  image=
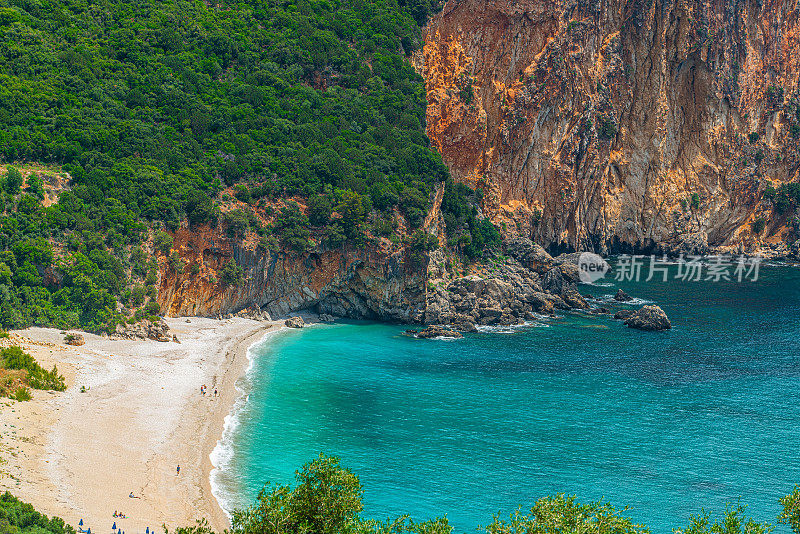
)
(437, 331)
(623, 314)
(650, 318)
(621, 296)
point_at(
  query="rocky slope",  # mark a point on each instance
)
(613, 125)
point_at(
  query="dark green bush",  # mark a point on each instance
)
(231, 274)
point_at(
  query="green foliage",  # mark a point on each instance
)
(536, 217)
(473, 236)
(753, 137)
(786, 197)
(563, 514)
(758, 225)
(320, 209)
(13, 181)
(734, 522)
(327, 500)
(162, 242)
(465, 91)
(606, 127)
(695, 201)
(35, 186)
(291, 226)
(242, 193)
(422, 241)
(154, 108)
(353, 208)
(17, 517)
(231, 274)
(38, 378)
(21, 394)
(790, 515)
(334, 235)
(237, 222)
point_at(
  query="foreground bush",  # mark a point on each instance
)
(328, 500)
(17, 517)
(19, 370)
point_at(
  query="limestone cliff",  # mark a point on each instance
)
(375, 282)
(620, 124)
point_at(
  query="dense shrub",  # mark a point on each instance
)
(17, 517)
(14, 358)
(231, 274)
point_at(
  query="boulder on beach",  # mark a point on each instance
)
(295, 322)
(650, 318)
(74, 339)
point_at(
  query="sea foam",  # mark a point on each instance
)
(221, 478)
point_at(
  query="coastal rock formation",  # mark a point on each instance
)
(437, 331)
(507, 294)
(620, 125)
(372, 282)
(294, 322)
(651, 318)
(621, 296)
(623, 314)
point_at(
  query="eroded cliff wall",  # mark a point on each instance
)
(592, 124)
(374, 282)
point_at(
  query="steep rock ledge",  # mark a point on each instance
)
(614, 125)
(372, 283)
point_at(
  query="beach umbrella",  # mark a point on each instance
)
(114, 526)
(89, 530)
(147, 530)
(80, 523)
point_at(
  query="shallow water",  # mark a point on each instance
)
(666, 423)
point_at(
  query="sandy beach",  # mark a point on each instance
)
(79, 455)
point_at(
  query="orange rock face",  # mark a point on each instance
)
(611, 124)
(374, 282)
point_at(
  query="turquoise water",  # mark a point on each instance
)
(665, 423)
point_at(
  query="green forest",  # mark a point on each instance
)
(160, 111)
(328, 499)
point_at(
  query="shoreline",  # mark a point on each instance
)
(218, 518)
(77, 455)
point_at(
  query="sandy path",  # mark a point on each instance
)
(79, 455)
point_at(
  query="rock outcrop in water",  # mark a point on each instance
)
(509, 292)
(437, 331)
(651, 318)
(614, 125)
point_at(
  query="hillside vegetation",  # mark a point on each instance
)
(161, 112)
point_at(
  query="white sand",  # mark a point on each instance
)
(79, 455)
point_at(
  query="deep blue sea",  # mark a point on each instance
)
(666, 423)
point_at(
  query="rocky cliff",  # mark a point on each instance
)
(375, 282)
(613, 125)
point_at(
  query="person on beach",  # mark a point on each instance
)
(215, 392)
(179, 471)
